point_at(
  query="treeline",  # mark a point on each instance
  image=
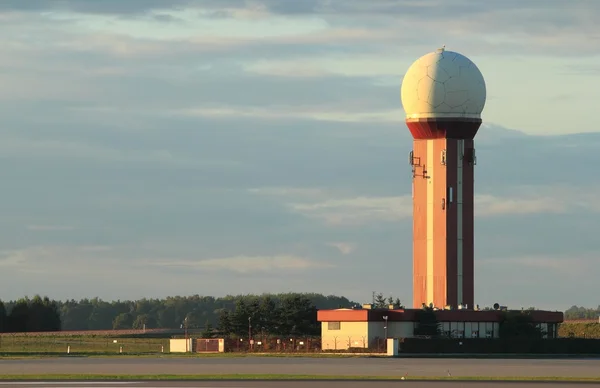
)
(576, 312)
(27, 315)
(290, 315)
(196, 312)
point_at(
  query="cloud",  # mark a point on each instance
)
(145, 270)
(489, 205)
(568, 265)
(248, 264)
(94, 260)
(274, 130)
(361, 210)
(117, 7)
(531, 279)
(344, 247)
(321, 25)
(356, 211)
(318, 113)
(53, 259)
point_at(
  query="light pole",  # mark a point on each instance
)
(385, 318)
(250, 332)
(185, 323)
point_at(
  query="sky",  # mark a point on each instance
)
(155, 148)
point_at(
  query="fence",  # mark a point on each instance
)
(355, 344)
(282, 344)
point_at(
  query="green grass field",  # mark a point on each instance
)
(20, 346)
(81, 344)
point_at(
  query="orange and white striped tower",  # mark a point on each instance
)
(443, 95)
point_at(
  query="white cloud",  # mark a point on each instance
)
(59, 259)
(146, 270)
(344, 247)
(360, 210)
(572, 265)
(248, 264)
(59, 149)
(356, 211)
(274, 112)
(489, 205)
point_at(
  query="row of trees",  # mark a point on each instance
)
(290, 315)
(196, 312)
(581, 313)
(26, 315)
(284, 314)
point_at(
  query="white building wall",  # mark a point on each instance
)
(344, 335)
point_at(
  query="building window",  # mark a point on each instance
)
(333, 325)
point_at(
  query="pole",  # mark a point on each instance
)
(185, 333)
(250, 332)
(385, 318)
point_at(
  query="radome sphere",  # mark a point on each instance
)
(443, 84)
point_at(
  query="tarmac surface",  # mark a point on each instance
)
(292, 384)
(312, 366)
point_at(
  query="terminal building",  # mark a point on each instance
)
(367, 327)
(443, 95)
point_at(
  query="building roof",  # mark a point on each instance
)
(410, 315)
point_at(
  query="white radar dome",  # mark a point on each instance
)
(443, 84)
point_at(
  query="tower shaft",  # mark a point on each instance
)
(443, 217)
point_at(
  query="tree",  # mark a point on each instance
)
(240, 323)
(225, 325)
(396, 302)
(268, 315)
(516, 324)
(170, 312)
(123, 321)
(18, 318)
(208, 330)
(380, 301)
(298, 316)
(194, 319)
(2, 317)
(101, 317)
(427, 323)
(144, 321)
(37, 314)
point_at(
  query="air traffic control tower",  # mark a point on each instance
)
(443, 94)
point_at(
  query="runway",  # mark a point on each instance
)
(293, 384)
(308, 365)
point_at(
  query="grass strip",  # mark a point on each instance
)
(23, 355)
(283, 377)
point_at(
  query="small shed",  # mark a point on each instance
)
(180, 345)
